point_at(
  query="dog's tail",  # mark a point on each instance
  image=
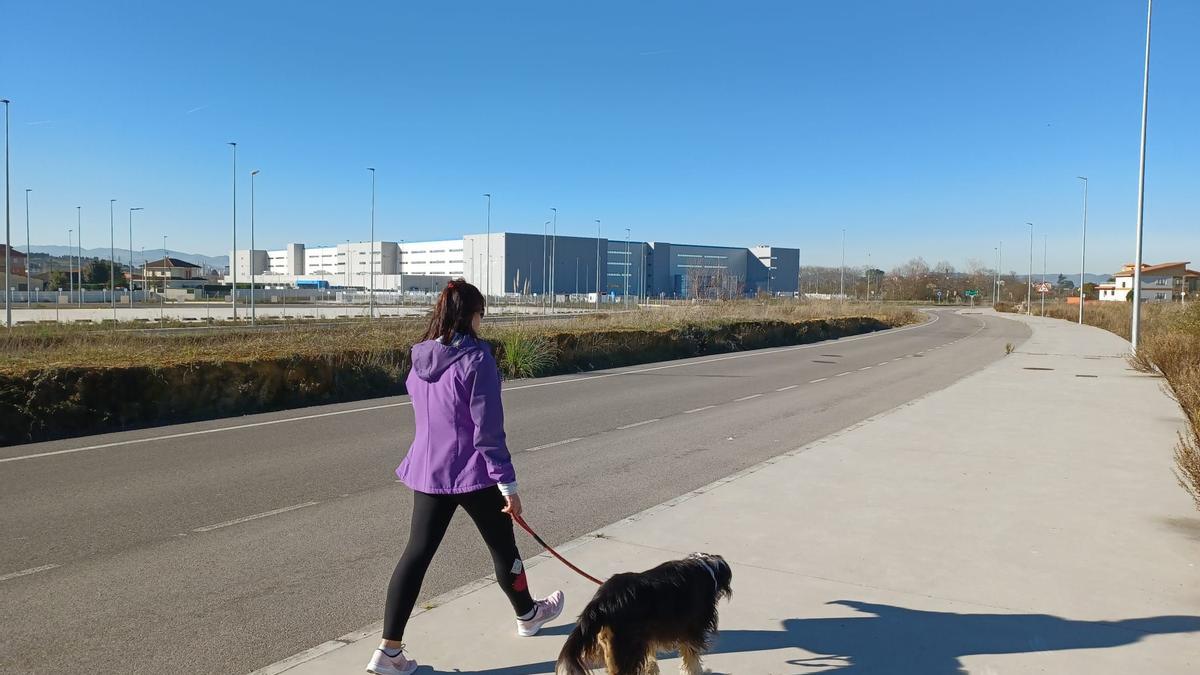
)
(580, 644)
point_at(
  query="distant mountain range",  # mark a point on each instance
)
(219, 261)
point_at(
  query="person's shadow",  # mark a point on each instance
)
(901, 641)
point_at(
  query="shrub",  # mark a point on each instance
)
(523, 354)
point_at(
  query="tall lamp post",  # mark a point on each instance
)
(136, 208)
(1083, 251)
(628, 270)
(79, 251)
(842, 282)
(371, 254)
(253, 315)
(1141, 202)
(112, 258)
(545, 263)
(28, 249)
(7, 227)
(597, 263)
(70, 264)
(487, 270)
(1029, 277)
(553, 258)
(999, 269)
(233, 260)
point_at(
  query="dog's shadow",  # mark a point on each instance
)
(902, 641)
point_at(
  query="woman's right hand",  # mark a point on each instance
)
(512, 505)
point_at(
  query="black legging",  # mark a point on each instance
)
(430, 517)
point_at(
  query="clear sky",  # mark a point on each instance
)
(923, 127)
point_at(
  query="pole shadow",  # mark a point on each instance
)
(900, 641)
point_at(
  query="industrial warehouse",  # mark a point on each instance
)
(517, 264)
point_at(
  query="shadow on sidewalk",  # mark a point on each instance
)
(900, 641)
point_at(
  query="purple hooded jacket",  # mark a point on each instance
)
(459, 445)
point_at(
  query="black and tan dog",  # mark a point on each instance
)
(637, 614)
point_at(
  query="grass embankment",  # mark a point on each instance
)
(1170, 345)
(60, 382)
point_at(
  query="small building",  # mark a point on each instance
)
(1164, 282)
(18, 277)
(171, 269)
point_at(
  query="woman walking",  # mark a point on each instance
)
(458, 458)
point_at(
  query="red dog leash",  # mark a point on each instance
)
(525, 526)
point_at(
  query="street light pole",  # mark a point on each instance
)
(628, 270)
(28, 249)
(553, 258)
(1029, 276)
(70, 264)
(112, 258)
(842, 283)
(487, 270)
(1083, 252)
(136, 208)
(7, 227)
(161, 298)
(996, 278)
(1141, 202)
(545, 252)
(597, 264)
(371, 254)
(232, 260)
(79, 251)
(253, 315)
(868, 277)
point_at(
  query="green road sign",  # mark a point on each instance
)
(971, 294)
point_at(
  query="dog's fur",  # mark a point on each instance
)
(635, 615)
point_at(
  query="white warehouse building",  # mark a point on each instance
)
(513, 263)
(350, 264)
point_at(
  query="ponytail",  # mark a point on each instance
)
(454, 311)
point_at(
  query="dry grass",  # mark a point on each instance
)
(26, 349)
(57, 383)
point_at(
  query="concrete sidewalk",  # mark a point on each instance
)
(1023, 520)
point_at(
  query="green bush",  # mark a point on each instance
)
(523, 354)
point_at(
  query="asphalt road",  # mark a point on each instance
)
(222, 546)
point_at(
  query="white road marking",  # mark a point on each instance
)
(696, 410)
(185, 434)
(555, 444)
(300, 418)
(843, 374)
(787, 388)
(885, 363)
(264, 514)
(866, 367)
(819, 379)
(638, 424)
(23, 573)
(746, 398)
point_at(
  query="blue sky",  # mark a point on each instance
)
(931, 128)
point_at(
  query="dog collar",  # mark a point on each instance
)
(711, 572)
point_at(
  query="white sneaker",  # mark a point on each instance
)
(544, 612)
(382, 664)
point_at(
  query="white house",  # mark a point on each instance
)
(1165, 282)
